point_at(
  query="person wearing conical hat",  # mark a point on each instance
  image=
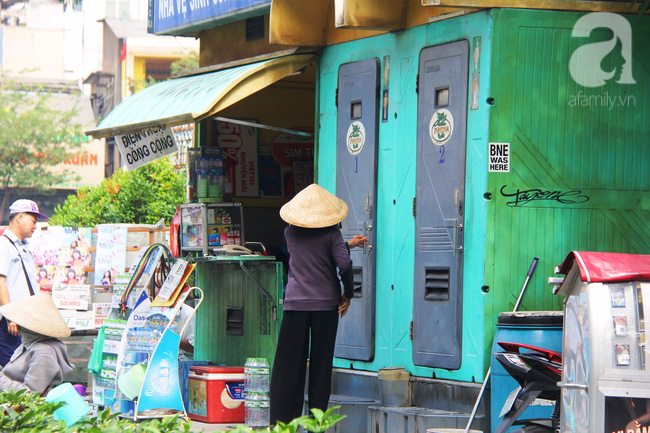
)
(41, 361)
(313, 301)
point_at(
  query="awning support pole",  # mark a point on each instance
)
(261, 126)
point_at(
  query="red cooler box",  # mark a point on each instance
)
(216, 394)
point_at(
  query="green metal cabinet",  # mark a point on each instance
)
(237, 319)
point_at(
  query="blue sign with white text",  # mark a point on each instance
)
(174, 16)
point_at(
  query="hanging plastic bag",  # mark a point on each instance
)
(95, 361)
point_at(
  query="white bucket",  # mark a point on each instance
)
(394, 386)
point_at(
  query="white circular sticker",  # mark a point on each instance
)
(355, 138)
(441, 127)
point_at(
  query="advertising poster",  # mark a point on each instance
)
(45, 277)
(72, 297)
(239, 145)
(192, 226)
(110, 258)
(70, 317)
(101, 310)
(303, 175)
(46, 245)
(161, 387)
(85, 320)
(295, 155)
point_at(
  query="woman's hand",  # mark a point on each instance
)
(12, 327)
(357, 241)
(343, 306)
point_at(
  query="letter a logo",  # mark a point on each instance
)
(584, 64)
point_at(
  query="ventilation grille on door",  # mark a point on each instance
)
(234, 321)
(436, 284)
(358, 282)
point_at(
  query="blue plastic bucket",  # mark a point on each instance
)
(535, 328)
(183, 374)
(75, 407)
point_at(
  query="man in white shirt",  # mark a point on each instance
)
(17, 271)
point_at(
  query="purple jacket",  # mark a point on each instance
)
(314, 255)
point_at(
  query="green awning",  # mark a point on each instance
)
(191, 99)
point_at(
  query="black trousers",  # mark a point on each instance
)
(290, 365)
(8, 343)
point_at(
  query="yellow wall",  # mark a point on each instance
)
(139, 64)
(289, 17)
(228, 42)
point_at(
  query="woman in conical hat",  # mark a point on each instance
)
(313, 300)
(41, 361)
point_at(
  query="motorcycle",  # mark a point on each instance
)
(537, 371)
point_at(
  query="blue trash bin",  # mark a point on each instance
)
(183, 373)
(535, 328)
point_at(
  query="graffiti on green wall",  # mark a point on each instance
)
(523, 197)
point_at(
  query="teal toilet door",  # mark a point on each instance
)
(356, 184)
(440, 192)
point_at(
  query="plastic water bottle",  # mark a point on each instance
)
(251, 409)
(264, 409)
(256, 385)
(257, 410)
(263, 372)
(256, 375)
(250, 376)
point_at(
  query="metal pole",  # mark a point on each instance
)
(487, 375)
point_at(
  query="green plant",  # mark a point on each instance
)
(135, 85)
(105, 422)
(30, 413)
(27, 412)
(186, 63)
(141, 196)
(318, 422)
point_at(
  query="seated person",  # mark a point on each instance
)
(186, 346)
(41, 361)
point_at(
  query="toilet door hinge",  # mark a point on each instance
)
(411, 331)
(413, 206)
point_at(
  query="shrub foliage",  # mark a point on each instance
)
(30, 413)
(141, 196)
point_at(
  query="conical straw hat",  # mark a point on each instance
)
(314, 207)
(38, 314)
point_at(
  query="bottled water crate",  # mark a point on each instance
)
(216, 394)
(256, 379)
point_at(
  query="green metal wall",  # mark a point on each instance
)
(559, 150)
(225, 285)
(396, 156)
(593, 156)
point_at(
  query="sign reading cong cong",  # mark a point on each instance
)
(142, 147)
(174, 16)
